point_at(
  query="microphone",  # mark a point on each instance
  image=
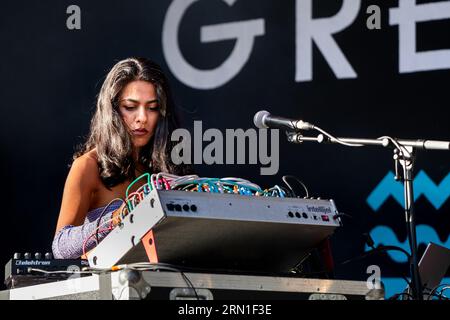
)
(263, 119)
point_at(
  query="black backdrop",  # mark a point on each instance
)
(50, 76)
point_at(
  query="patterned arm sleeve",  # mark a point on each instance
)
(68, 242)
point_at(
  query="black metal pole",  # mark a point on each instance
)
(408, 168)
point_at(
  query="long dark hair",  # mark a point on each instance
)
(108, 133)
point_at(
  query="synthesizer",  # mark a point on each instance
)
(23, 270)
(212, 230)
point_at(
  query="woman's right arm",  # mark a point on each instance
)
(71, 233)
(81, 182)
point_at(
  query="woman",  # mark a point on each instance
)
(129, 135)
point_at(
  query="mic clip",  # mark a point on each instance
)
(303, 125)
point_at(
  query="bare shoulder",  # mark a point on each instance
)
(85, 169)
(82, 182)
(87, 161)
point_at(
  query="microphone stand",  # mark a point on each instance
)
(404, 156)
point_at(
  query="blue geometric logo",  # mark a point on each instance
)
(422, 184)
(437, 195)
(383, 235)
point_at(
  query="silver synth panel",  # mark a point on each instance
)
(220, 231)
(249, 208)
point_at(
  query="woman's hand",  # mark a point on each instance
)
(116, 219)
(117, 215)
